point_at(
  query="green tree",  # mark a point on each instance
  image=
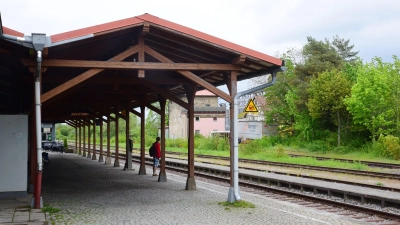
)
(371, 100)
(327, 92)
(279, 96)
(395, 75)
(344, 49)
(153, 122)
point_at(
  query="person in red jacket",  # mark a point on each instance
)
(156, 155)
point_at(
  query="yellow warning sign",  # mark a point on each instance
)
(251, 107)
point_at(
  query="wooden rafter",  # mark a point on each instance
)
(190, 75)
(84, 76)
(167, 95)
(96, 65)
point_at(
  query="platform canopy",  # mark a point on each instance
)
(128, 62)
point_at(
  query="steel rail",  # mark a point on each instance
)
(366, 210)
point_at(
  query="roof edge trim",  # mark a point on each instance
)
(119, 24)
(71, 40)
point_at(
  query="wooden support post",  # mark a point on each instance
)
(88, 155)
(128, 161)
(142, 170)
(190, 94)
(141, 73)
(76, 139)
(94, 139)
(80, 138)
(84, 139)
(101, 141)
(163, 175)
(108, 159)
(116, 161)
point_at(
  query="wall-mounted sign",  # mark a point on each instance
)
(251, 107)
(79, 114)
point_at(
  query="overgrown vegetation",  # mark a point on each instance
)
(49, 209)
(237, 204)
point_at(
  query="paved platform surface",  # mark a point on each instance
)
(370, 192)
(18, 211)
(89, 192)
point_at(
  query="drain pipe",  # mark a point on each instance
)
(39, 169)
(234, 193)
(38, 41)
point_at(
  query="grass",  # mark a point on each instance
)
(49, 209)
(237, 204)
(280, 154)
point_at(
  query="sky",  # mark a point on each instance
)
(270, 27)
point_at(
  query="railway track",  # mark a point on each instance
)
(306, 199)
(369, 163)
(318, 168)
(302, 198)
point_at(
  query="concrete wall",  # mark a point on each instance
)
(14, 155)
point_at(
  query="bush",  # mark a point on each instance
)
(280, 152)
(65, 143)
(251, 147)
(214, 143)
(176, 143)
(317, 146)
(391, 146)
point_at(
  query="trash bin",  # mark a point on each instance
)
(45, 158)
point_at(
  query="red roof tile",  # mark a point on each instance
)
(95, 29)
(164, 23)
(12, 32)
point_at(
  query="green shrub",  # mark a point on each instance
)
(211, 143)
(317, 146)
(65, 143)
(342, 149)
(250, 148)
(176, 143)
(391, 146)
(280, 152)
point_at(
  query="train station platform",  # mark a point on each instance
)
(89, 192)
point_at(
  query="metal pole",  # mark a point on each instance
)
(39, 170)
(234, 193)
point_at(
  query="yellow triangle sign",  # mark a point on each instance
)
(251, 107)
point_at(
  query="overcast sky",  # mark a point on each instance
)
(263, 25)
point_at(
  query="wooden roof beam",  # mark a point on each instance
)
(191, 76)
(84, 76)
(96, 65)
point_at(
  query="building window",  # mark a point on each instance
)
(197, 132)
(197, 118)
(215, 118)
